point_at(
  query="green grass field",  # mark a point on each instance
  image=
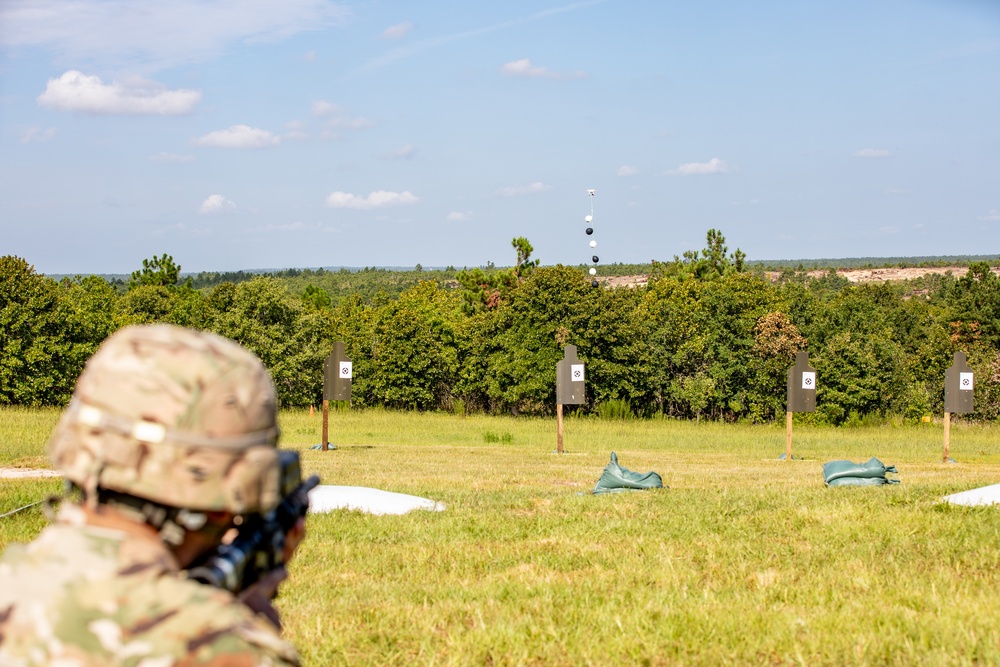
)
(743, 560)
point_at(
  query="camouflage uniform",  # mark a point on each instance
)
(186, 421)
(85, 596)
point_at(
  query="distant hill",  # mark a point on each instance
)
(208, 278)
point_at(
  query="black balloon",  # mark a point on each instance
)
(594, 283)
(596, 259)
(590, 230)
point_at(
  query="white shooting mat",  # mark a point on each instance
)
(984, 495)
(326, 498)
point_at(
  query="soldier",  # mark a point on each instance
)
(169, 437)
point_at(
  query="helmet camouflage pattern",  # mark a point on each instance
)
(180, 417)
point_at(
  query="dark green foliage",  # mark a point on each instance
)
(33, 369)
(707, 338)
(292, 343)
(411, 350)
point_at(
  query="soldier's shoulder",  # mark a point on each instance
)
(124, 603)
(213, 622)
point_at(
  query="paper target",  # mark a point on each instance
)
(809, 380)
(965, 381)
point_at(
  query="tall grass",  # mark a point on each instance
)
(743, 560)
(23, 435)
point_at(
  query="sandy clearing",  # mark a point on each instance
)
(882, 275)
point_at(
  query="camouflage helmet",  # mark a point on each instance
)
(179, 417)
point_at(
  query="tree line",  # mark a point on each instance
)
(707, 337)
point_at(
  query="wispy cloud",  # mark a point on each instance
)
(336, 118)
(872, 152)
(397, 31)
(35, 134)
(216, 204)
(523, 69)
(517, 190)
(149, 36)
(994, 214)
(404, 52)
(896, 191)
(627, 170)
(171, 157)
(459, 216)
(377, 199)
(323, 108)
(284, 227)
(403, 152)
(713, 166)
(76, 91)
(296, 131)
(238, 136)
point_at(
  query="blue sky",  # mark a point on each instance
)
(241, 134)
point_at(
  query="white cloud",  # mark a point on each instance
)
(238, 136)
(377, 199)
(170, 157)
(523, 69)
(35, 134)
(994, 214)
(459, 216)
(872, 152)
(896, 191)
(397, 31)
(517, 190)
(147, 36)
(216, 204)
(75, 91)
(309, 57)
(404, 152)
(713, 166)
(890, 230)
(627, 170)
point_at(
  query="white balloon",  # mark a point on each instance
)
(593, 272)
(588, 218)
(593, 244)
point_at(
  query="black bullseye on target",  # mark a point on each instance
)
(593, 243)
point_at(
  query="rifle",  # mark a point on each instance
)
(260, 543)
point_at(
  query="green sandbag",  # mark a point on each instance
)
(872, 469)
(615, 479)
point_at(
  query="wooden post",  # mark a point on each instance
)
(326, 423)
(559, 446)
(312, 410)
(947, 437)
(788, 436)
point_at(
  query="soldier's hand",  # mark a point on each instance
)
(258, 595)
(294, 538)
